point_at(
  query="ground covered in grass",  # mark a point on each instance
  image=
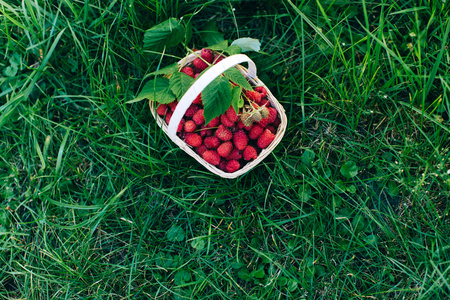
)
(97, 203)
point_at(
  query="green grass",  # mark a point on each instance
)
(97, 203)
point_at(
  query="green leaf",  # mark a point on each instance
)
(304, 192)
(352, 11)
(156, 90)
(247, 44)
(181, 277)
(175, 234)
(351, 189)
(216, 98)
(177, 261)
(319, 271)
(309, 262)
(210, 34)
(258, 273)
(198, 244)
(219, 46)
(188, 28)
(163, 260)
(235, 49)
(199, 274)
(358, 223)
(393, 189)
(180, 83)
(244, 275)
(308, 157)
(292, 285)
(166, 70)
(3, 232)
(236, 98)
(282, 281)
(237, 265)
(371, 240)
(15, 59)
(11, 71)
(3, 217)
(236, 76)
(349, 169)
(164, 35)
(292, 244)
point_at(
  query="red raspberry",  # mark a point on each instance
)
(212, 142)
(232, 115)
(223, 133)
(261, 90)
(223, 165)
(212, 157)
(168, 117)
(162, 109)
(235, 128)
(196, 75)
(199, 118)
(198, 100)
(240, 139)
(277, 122)
(226, 121)
(250, 153)
(193, 139)
(214, 122)
(218, 58)
(225, 149)
(234, 155)
(190, 112)
(181, 126)
(272, 115)
(173, 105)
(207, 55)
(264, 102)
(263, 123)
(272, 129)
(190, 126)
(201, 149)
(188, 71)
(265, 139)
(233, 166)
(205, 131)
(255, 132)
(253, 96)
(200, 64)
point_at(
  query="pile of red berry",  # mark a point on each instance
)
(232, 139)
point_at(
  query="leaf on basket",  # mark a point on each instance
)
(234, 49)
(180, 83)
(216, 98)
(156, 90)
(165, 71)
(236, 98)
(166, 34)
(236, 76)
(219, 46)
(247, 44)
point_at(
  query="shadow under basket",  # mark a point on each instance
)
(196, 89)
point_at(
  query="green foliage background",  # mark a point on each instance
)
(97, 203)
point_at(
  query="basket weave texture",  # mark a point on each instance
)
(190, 96)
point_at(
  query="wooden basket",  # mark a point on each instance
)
(197, 87)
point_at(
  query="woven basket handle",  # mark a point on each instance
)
(203, 81)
